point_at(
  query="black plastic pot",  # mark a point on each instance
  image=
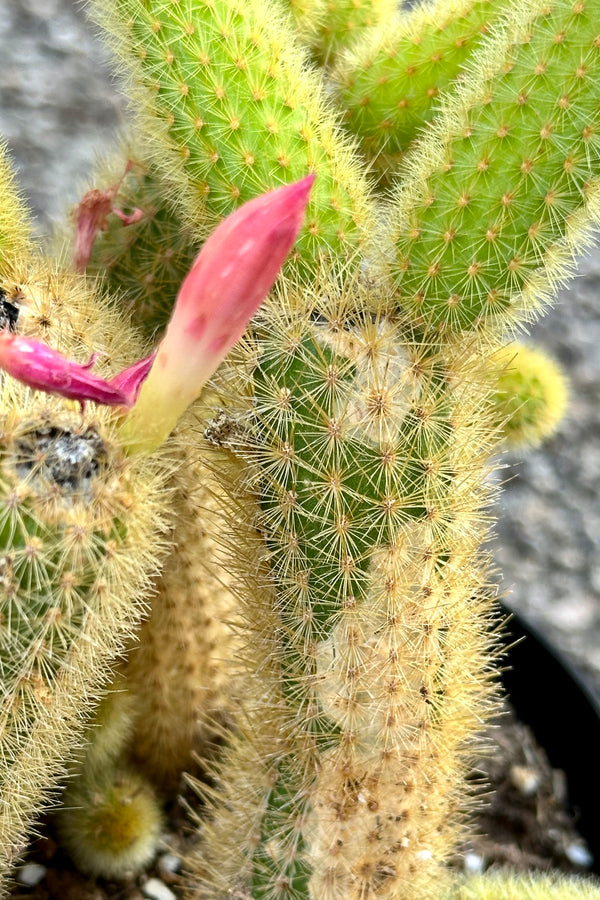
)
(552, 697)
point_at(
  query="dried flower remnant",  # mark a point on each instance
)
(91, 215)
(45, 369)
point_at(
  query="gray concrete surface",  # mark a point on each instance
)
(58, 106)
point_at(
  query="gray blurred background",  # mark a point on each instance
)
(59, 107)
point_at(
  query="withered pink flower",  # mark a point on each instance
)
(91, 216)
(39, 366)
(232, 275)
(230, 278)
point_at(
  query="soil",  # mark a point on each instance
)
(523, 822)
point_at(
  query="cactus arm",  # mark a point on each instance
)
(364, 703)
(179, 673)
(389, 81)
(15, 226)
(529, 395)
(508, 886)
(110, 817)
(498, 196)
(230, 110)
(341, 22)
(81, 538)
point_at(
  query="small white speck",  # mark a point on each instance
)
(155, 889)
(424, 855)
(473, 863)
(246, 247)
(226, 272)
(579, 855)
(31, 874)
(168, 864)
(525, 779)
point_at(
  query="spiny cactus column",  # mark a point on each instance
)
(369, 657)
(14, 221)
(234, 112)
(504, 189)
(501, 886)
(179, 673)
(81, 539)
(110, 819)
(390, 80)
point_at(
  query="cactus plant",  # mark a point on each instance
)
(522, 887)
(82, 533)
(351, 432)
(529, 394)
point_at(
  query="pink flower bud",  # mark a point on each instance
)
(230, 278)
(232, 275)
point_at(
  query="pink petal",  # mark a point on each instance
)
(131, 379)
(44, 369)
(230, 278)
(238, 266)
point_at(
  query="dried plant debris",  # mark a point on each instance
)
(524, 821)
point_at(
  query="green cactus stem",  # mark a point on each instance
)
(231, 111)
(179, 672)
(366, 650)
(14, 219)
(110, 819)
(341, 22)
(508, 886)
(111, 822)
(389, 81)
(529, 395)
(81, 536)
(502, 191)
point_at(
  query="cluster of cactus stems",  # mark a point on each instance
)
(304, 549)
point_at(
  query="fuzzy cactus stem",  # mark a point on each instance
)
(232, 275)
